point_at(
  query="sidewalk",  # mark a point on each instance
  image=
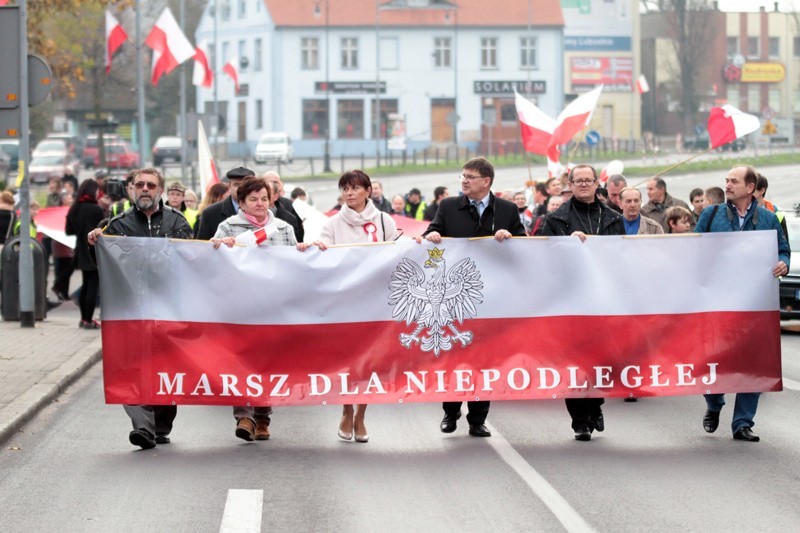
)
(37, 364)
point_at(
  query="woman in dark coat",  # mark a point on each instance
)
(84, 216)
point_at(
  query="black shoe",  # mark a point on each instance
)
(746, 434)
(583, 433)
(599, 423)
(479, 430)
(142, 438)
(162, 439)
(631, 399)
(711, 421)
(448, 424)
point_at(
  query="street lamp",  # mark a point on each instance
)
(326, 164)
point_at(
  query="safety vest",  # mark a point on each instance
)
(420, 214)
(191, 216)
(18, 225)
(120, 207)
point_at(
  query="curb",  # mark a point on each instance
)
(18, 412)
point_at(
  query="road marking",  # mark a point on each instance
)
(562, 510)
(791, 384)
(242, 511)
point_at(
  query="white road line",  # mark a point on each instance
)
(242, 511)
(791, 384)
(563, 511)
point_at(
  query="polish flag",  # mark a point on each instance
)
(170, 46)
(231, 68)
(641, 85)
(115, 37)
(207, 168)
(52, 221)
(727, 123)
(575, 117)
(202, 75)
(410, 338)
(536, 127)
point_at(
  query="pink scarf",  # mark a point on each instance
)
(254, 221)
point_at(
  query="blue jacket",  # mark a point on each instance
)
(757, 218)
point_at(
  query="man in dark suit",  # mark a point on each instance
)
(283, 207)
(213, 215)
(478, 213)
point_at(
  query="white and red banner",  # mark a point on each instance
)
(202, 75)
(727, 123)
(528, 318)
(115, 37)
(615, 74)
(641, 85)
(52, 221)
(170, 46)
(207, 167)
(231, 68)
(575, 117)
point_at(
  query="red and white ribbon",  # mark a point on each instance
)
(371, 229)
(260, 235)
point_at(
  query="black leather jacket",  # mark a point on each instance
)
(166, 222)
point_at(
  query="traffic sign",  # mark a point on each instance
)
(39, 80)
(593, 138)
(768, 113)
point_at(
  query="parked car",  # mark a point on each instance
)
(702, 142)
(790, 283)
(49, 146)
(119, 155)
(75, 143)
(91, 151)
(51, 165)
(10, 147)
(274, 147)
(166, 150)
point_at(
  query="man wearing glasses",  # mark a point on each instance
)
(477, 213)
(581, 216)
(148, 217)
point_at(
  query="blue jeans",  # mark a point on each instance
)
(744, 409)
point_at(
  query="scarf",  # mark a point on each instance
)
(254, 221)
(367, 220)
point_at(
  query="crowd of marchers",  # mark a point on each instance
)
(253, 210)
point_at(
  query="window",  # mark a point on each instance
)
(387, 106)
(441, 52)
(349, 52)
(733, 96)
(225, 13)
(259, 114)
(212, 55)
(754, 99)
(775, 100)
(242, 50)
(733, 46)
(225, 54)
(309, 47)
(242, 9)
(315, 119)
(527, 53)
(488, 52)
(774, 47)
(752, 47)
(508, 113)
(797, 47)
(350, 119)
(257, 54)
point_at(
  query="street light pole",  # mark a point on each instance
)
(377, 83)
(326, 166)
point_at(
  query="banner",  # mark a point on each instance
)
(529, 318)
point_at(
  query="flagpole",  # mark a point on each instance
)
(182, 130)
(673, 167)
(575, 148)
(139, 84)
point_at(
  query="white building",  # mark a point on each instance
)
(434, 62)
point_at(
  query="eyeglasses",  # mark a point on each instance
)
(142, 184)
(584, 183)
(469, 177)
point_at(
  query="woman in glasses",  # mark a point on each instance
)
(254, 224)
(357, 222)
(83, 217)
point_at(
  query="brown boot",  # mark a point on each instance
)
(245, 429)
(262, 430)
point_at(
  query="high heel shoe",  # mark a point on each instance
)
(364, 437)
(345, 435)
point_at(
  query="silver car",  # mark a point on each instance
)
(51, 165)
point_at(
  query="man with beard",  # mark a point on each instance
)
(580, 216)
(148, 218)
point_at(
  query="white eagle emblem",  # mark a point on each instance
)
(447, 297)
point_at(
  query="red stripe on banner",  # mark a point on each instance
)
(160, 362)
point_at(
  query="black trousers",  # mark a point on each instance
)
(583, 410)
(157, 419)
(89, 292)
(477, 410)
(63, 269)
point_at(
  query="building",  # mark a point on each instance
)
(320, 69)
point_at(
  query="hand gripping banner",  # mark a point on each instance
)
(463, 320)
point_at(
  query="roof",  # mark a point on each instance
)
(311, 13)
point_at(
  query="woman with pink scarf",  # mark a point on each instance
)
(357, 222)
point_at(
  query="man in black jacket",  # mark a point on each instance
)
(478, 213)
(283, 208)
(213, 215)
(148, 217)
(580, 216)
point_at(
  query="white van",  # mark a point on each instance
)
(274, 147)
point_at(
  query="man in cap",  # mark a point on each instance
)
(176, 193)
(215, 214)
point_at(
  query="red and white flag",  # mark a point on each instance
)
(202, 75)
(449, 322)
(206, 166)
(575, 117)
(52, 221)
(170, 46)
(537, 128)
(726, 124)
(231, 68)
(115, 37)
(641, 85)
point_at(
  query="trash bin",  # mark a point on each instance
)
(9, 285)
